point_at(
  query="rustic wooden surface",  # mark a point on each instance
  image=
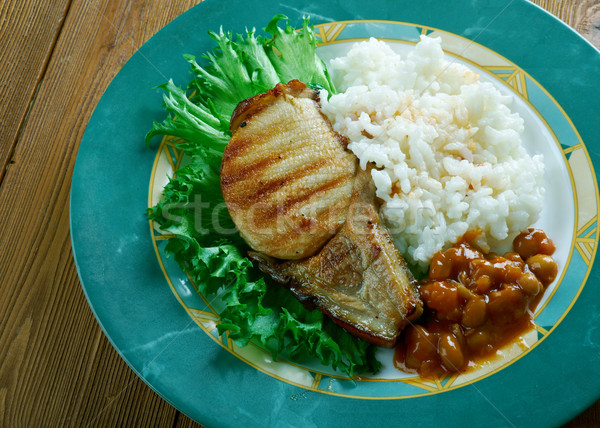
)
(57, 57)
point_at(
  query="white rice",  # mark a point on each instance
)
(447, 147)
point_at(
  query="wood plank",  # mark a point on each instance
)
(581, 15)
(589, 418)
(115, 396)
(24, 60)
(587, 21)
(184, 422)
(57, 368)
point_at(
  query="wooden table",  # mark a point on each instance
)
(56, 58)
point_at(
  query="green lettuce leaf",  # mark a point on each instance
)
(204, 241)
(294, 51)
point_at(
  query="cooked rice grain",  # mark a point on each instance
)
(447, 147)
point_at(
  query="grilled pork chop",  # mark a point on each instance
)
(295, 193)
(286, 176)
(359, 278)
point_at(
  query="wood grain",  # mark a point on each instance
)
(24, 60)
(588, 21)
(56, 366)
(582, 15)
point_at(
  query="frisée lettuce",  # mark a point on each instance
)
(204, 242)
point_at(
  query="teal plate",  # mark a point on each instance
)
(165, 331)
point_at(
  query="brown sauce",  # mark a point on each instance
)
(475, 303)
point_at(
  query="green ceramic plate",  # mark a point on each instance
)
(165, 331)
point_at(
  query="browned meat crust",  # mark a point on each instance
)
(286, 176)
(359, 278)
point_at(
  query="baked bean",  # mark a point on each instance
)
(474, 312)
(533, 241)
(456, 330)
(464, 293)
(441, 266)
(442, 297)
(506, 270)
(451, 352)
(479, 341)
(530, 284)
(475, 304)
(460, 255)
(481, 267)
(483, 284)
(516, 259)
(507, 305)
(420, 346)
(544, 267)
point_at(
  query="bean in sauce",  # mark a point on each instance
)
(476, 303)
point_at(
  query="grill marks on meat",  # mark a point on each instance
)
(359, 278)
(295, 193)
(286, 176)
